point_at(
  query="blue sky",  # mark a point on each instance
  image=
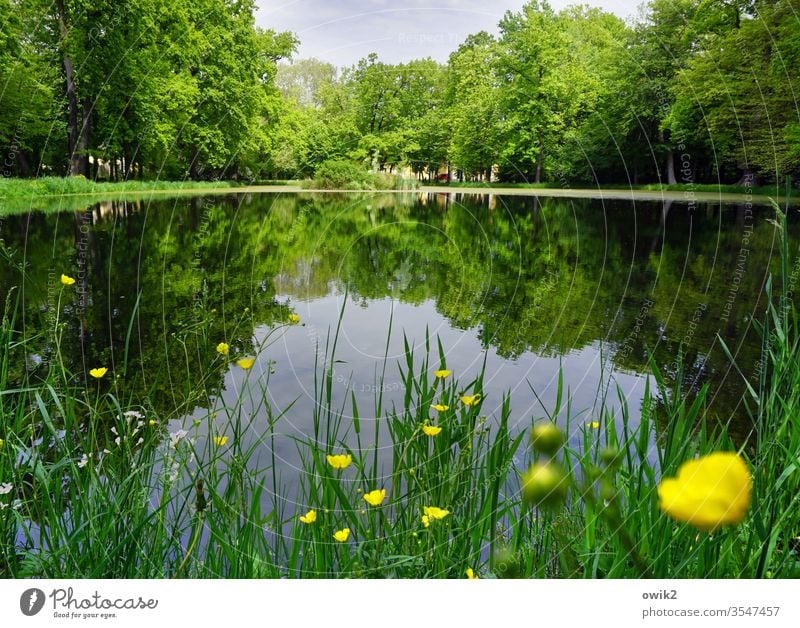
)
(344, 31)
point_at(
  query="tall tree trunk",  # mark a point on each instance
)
(23, 166)
(83, 139)
(539, 160)
(71, 93)
(126, 161)
(671, 180)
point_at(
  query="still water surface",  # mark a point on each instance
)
(529, 285)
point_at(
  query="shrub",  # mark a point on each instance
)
(340, 174)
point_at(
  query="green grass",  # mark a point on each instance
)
(773, 191)
(135, 509)
(60, 186)
(71, 193)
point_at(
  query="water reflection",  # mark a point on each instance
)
(532, 285)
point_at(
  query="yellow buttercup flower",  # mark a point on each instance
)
(67, 280)
(440, 407)
(709, 492)
(151, 422)
(309, 518)
(294, 319)
(442, 374)
(246, 363)
(98, 372)
(594, 424)
(426, 520)
(221, 441)
(431, 430)
(342, 535)
(470, 400)
(471, 574)
(339, 461)
(432, 512)
(223, 348)
(376, 497)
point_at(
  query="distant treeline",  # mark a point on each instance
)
(690, 91)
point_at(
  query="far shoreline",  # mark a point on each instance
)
(630, 194)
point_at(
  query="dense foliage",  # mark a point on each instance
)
(690, 91)
(136, 89)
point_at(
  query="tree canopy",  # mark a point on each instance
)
(689, 91)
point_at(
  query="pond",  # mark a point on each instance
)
(530, 287)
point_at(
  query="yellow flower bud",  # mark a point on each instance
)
(545, 485)
(546, 438)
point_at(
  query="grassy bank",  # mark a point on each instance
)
(775, 191)
(50, 194)
(60, 186)
(94, 483)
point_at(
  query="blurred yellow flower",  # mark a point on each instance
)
(432, 512)
(245, 363)
(67, 280)
(98, 372)
(294, 319)
(440, 407)
(426, 520)
(545, 484)
(546, 438)
(594, 424)
(340, 461)
(470, 400)
(431, 430)
(221, 441)
(709, 492)
(223, 348)
(309, 518)
(342, 535)
(442, 374)
(376, 497)
(471, 574)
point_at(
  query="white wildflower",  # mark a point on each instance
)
(5, 488)
(176, 437)
(176, 467)
(83, 461)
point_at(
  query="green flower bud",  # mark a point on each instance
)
(547, 438)
(545, 485)
(610, 456)
(506, 563)
(608, 492)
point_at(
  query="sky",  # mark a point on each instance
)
(344, 31)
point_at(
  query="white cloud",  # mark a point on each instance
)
(344, 31)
